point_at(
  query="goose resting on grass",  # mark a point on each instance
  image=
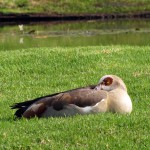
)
(109, 95)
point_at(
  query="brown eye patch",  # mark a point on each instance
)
(108, 81)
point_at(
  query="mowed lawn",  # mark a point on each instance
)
(29, 73)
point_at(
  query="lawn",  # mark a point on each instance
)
(74, 6)
(29, 73)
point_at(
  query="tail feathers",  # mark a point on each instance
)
(19, 112)
(22, 107)
(29, 102)
(22, 104)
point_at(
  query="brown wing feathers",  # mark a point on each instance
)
(57, 100)
(36, 110)
(79, 97)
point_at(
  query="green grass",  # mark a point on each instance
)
(74, 6)
(29, 73)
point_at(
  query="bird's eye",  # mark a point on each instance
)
(107, 81)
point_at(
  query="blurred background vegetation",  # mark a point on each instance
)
(74, 6)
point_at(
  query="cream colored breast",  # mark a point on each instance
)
(119, 101)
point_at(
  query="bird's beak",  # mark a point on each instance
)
(98, 87)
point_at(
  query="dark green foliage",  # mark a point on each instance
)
(75, 6)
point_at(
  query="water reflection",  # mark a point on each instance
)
(89, 33)
(21, 40)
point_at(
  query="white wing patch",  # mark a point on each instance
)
(87, 109)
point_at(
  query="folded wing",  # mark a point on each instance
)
(58, 104)
(23, 106)
(66, 104)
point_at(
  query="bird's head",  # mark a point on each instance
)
(110, 82)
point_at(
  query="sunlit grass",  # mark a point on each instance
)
(29, 73)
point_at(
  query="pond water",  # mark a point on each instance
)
(82, 33)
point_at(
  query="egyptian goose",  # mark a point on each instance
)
(109, 95)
